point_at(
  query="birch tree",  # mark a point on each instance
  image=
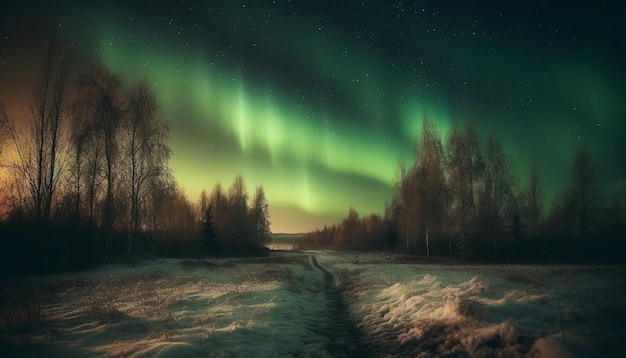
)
(432, 192)
(98, 97)
(144, 145)
(465, 167)
(40, 143)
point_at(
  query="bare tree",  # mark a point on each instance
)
(162, 189)
(432, 183)
(94, 175)
(532, 198)
(404, 205)
(584, 192)
(145, 148)
(465, 167)
(56, 116)
(85, 168)
(39, 144)
(4, 196)
(176, 224)
(497, 195)
(99, 98)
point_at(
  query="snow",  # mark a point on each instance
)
(177, 308)
(279, 305)
(485, 311)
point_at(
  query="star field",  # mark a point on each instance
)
(318, 101)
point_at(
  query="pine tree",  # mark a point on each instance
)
(208, 231)
(260, 215)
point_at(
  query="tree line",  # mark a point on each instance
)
(86, 179)
(461, 199)
(231, 222)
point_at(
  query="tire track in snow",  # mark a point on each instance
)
(344, 337)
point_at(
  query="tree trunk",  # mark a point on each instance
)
(427, 241)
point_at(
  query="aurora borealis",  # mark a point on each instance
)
(318, 101)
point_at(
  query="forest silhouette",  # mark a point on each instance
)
(460, 199)
(86, 180)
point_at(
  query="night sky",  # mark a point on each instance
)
(318, 100)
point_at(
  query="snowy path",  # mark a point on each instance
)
(344, 336)
(316, 304)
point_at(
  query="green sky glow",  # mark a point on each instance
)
(318, 102)
(298, 153)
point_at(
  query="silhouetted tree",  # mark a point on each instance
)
(99, 97)
(405, 206)
(260, 215)
(239, 227)
(5, 195)
(353, 233)
(218, 201)
(88, 159)
(208, 230)
(375, 232)
(80, 138)
(93, 158)
(238, 205)
(180, 226)
(348, 233)
(144, 145)
(40, 144)
(584, 193)
(431, 183)
(203, 203)
(614, 218)
(162, 189)
(496, 197)
(465, 168)
(532, 203)
(49, 106)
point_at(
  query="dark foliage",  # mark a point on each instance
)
(370, 233)
(209, 237)
(232, 225)
(462, 201)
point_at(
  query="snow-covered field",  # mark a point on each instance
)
(504, 310)
(316, 304)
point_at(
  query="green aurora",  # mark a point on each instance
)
(319, 102)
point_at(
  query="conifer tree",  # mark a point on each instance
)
(208, 231)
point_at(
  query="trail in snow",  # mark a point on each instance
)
(344, 336)
(316, 305)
